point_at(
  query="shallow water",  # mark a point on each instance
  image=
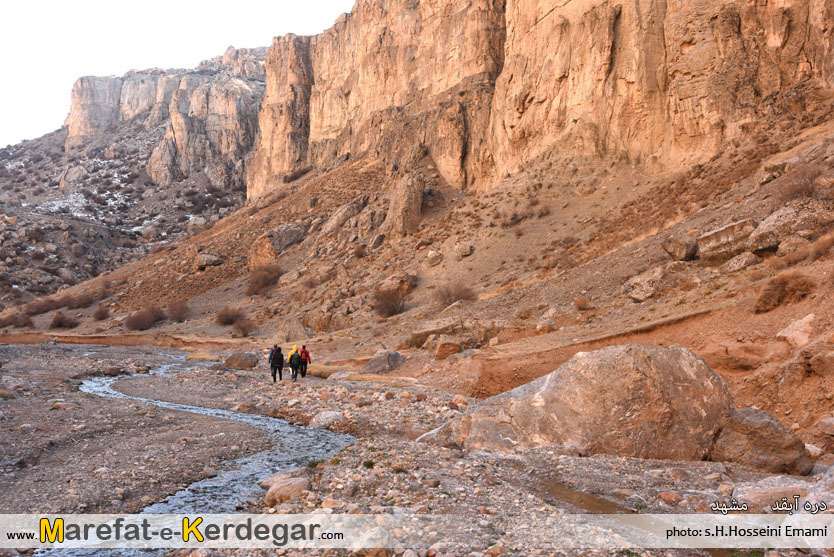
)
(292, 446)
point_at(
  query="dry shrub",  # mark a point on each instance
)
(360, 251)
(821, 247)
(786, 288)
(583, 304)
(263, 279)
(144, 319)
(244, 327)
(17, 320)
(63, 321)
(789, 259)
(293, 176)
(801, 183)
(310, 282)
(101, 313)
(43, 305)
(79, 301)
(449, 293)
(389, 302)
(229, 316)
(179, 312)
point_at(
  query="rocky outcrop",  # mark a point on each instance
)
(406, 207)
(757, 439)
(626, 400)
(212, 114)
(484, 87)
(267, 248)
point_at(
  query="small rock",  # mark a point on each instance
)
(680, 249)
(826, 425)
(434, 258)
(670, 497)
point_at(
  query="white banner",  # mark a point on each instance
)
(415, 531)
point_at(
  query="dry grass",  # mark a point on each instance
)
(786, 288)
(388, 302)
(229, 316)
(801, 183)
(178, 312)
(101, 313)
(583, 304)
(144, 319)
(244, 327)
(20, 320)
(79, 301)
(43, 305)
(63, 321)
(449, 293)
(263, 279)
(821, 247)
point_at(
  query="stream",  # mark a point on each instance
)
(292, 447)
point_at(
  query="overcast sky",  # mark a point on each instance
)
(46, 45)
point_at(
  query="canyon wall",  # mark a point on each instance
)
(484, 86)
(210, 114)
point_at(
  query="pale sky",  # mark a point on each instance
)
(47, 45)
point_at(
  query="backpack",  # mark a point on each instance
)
(271, 355)
(305, 356)
(295, 359)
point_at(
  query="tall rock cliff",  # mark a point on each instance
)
(486, 85)
(209, 114)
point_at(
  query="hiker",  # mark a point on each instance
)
(276, 362)
(294, 359)
(305, 359)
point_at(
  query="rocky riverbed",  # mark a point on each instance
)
(110, 455)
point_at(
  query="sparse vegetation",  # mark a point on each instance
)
(821, 247)
(801, 183)
(583, 304)
(63, 321)
(144, 319)
(101, 313)
(449, 293)
(263, 279)
(388, 302)
(786, 288)
(83, 300)
(243, 327)
(178, 312)
(229, 316)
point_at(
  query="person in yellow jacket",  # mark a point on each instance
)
(294, 359)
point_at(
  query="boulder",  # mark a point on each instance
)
(402, 282)
(440, 327)
(826, 426)
(463, 250)
(447, 346)
(269, 246)
(798, 333)
(741, 261)
(644, 286)
(206, 260)
(801, 218)
(726, 242)
(287, 489)
(434, 258)
(242, 360)
(823, 363)
(383, 363)
(680, 249)
(406, 208)
(345, 212)
(636, 401)
(325, 419)
(792, 244)
(757, 439)
(290, 330)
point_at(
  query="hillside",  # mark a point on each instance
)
(486, 189)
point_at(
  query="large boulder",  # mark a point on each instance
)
(286, 489)
(680, 249)
(630, 400)
(383, 363)
(272, 244)
(801, 218)
(726, 242)
(406, 207)
(758, 440)
(645, 285)
(242, 360)
(345, 212)
(290, 330)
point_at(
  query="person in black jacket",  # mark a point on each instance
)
(276, 363)
(295, 363)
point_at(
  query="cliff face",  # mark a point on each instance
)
(485, 85)
(388, 78)
(210, 114)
